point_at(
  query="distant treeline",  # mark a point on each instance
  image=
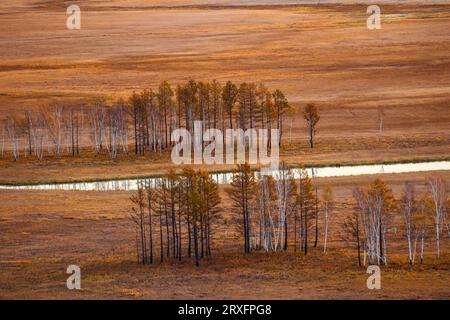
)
(180, 215)
(144, 122)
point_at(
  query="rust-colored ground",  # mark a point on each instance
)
(320, 53)
(42, 232)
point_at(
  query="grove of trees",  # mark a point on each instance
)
(275, 213)
(144, 121)
(175, 216)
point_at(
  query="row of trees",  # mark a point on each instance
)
(176, 215)
(60, 130)
(146, 120)
(275, 213)
(424, 216)
(277, 210)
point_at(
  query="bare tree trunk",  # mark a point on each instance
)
(196, 245)
(317, 221)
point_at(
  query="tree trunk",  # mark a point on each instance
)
(196, 245)
(317, 222)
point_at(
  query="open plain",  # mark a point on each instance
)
(321, 53)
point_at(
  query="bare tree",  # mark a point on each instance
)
(408, 209)
(13, 130)
(28, 128)
(439, 194)
(53, 120)
(38, 135)
(327, 207)
(286, 201)
(3, 138)
(352, 229)
(423, 219)
(380, 119)
(98, 123)
(73, 128)
(138, 217)
(265, 193)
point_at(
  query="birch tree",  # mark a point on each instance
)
(13, 131)
(423, 220)
(439, 194)
(38, 136)
(408, 209)
(286, 204)
(98, 124)
(3, 138)
(327, 207)
(375, 207)
(53, 119)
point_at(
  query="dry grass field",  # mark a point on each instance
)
(321, 53)
(314, 53)
(42, 232)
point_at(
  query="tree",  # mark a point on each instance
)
(211, 209)
(327, 207)
(374, 208)
(306, 206)
(408, 209)
(380, 119)
(151, 197)
(3, 138)
(229, 96)
(73, 127)
(28, 129)
(53, 121)
(98, 123)
(190, 100)
(267, 111)
(13, 131)
(422, 220)
(439, 194)
(240, 192)
(311, 115)
(352, 229)
(165, 94)
(243, 105)
(136, 107)
(286, 201)
(316, 218)
(35, 132)
(138, 217)
(281, 106)
(201, 201)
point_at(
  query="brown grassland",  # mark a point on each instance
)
(43, 232)
(314, 53)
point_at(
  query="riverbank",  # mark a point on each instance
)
(225, 177)
(329, 151)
